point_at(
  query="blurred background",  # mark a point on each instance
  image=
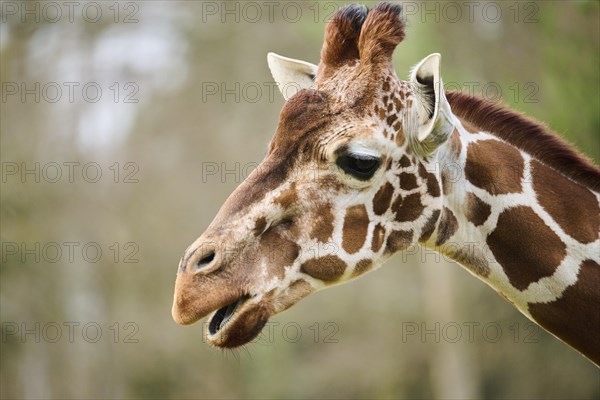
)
(124, 127)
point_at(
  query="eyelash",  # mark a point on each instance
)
(359, 166)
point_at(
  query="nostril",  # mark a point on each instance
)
(206, 260)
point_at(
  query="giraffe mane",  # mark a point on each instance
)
(527, 135)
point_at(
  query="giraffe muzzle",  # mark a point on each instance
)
(236, 312)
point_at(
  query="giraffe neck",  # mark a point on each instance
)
(524, 229)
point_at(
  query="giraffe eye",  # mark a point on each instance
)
(361, 167)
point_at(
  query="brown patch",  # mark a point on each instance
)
(288, 197)
(322, 227)
(433, 186)
(382, 199)
(525, 134)
(407, 181)
(429, 226)
(398, 240)
(397, 102)
(391, 119)
(525, 246)
(382, 115)
(259, 226)
(571, 205)
(405, 162)
(328, 268)
(356, 225)
(377, 239)
(423, 171)
(477, 210)
(279, 251)
(447, 227)
(361, 267)
(408, 208)
(494, 166)
(575, 317)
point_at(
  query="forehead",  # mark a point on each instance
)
(314, 118)
(344, 82)
(302, 115)
(355, 86)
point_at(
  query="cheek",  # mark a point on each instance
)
(321, 224)
(355, 229)
(408, 208)
(275, 253)
(328, 268)
(298, 290)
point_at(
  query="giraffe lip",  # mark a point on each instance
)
(237, 323)
(224, 314)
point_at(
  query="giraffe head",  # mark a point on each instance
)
(343, 186)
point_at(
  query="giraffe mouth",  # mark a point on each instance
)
(224, 314)
(236, 323)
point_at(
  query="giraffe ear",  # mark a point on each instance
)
(291, 75)
(435, 119)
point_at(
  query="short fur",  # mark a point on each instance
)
(260, 248)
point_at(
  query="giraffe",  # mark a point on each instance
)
(363, 165)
